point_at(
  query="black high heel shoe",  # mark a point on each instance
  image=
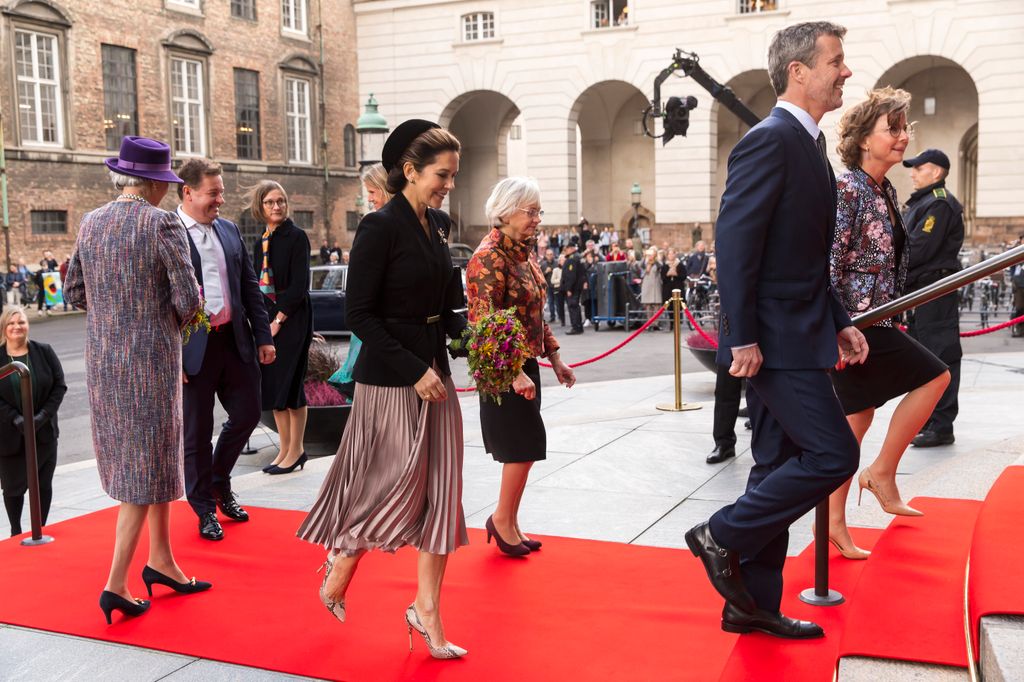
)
(151, 575)
(533, 545)
(300, 463)
(109, 601)
(512, 550)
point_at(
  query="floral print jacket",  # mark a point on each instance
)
(503, 273)
(863, 260)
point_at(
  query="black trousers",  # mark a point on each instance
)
(236, 384)
(936, 326)
(560, 306)
(575, 314)
(803, 450)
(14, 480)
(728, 390)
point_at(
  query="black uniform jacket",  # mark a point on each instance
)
(935, 225)
(46, 398)
(398, 277)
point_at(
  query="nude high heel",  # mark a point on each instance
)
(449, 650)
(888, 499)
(852, 552)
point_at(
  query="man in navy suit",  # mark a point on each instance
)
(779, 328)
(223, 362)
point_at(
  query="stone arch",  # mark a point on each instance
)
(45, 11)
(753, 89)
(190, 40)
(299, 62)
(953, 114)
(605, 127)
(481, 120)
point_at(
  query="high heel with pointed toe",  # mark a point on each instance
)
(533, 545)
(110, 601)
(151, 576)
(852, 552)
(512, 550)
(299, 463)
(888, 499)
(449, 650)
(337, 608)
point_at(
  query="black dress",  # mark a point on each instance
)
(283, 380)
(514, 431)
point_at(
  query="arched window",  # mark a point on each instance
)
(350, 146)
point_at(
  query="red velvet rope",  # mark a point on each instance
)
(707, 337)
(989, 330)
(603, 355)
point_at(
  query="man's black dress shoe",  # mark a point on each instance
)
(735, 619)
(929, 439)
(743, 413)
(720, 454)
(228, 504)
(209, 527)
(573, 332)
(722, 566)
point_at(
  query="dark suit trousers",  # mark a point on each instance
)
(237, 385)
(728, 390)
(575, 313)
(803, 450)
(936, 326)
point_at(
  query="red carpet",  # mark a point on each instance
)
(997, 552)
(578, 610)
(909, 602)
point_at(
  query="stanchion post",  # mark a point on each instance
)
(678, 406)
(820, 594)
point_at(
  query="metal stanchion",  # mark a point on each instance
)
(679, 406)
(31, 463)
(820, 594)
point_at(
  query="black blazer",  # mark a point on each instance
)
(398, 277)
(248, 314)
(289, 259)
(46, 398)
(773, 239)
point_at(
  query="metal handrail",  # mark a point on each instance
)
(31, 462)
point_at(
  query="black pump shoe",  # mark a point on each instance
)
(299, 463)
(109, 601)
(151, 575)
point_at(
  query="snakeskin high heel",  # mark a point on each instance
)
(337, 608)
(449, 650)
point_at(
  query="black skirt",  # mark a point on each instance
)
(896, 364)
(514, 431)
(283, 381)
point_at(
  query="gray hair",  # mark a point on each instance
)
(797, 43)
(509, 195)
(121, 181)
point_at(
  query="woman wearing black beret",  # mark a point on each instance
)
(397, 477)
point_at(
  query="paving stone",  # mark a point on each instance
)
(1002, 648)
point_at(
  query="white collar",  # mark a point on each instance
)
(802, 116)
(191, 222)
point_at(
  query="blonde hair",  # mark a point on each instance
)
(859, 120)
(377, 177)
(5, 318)
(255, 195)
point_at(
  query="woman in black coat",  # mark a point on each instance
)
(48, 391)
(281, 258)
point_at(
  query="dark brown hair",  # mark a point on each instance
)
(423, 151)
(859, 120)
(194, 170)
(255, 195)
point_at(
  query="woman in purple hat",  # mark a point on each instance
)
(131, 272)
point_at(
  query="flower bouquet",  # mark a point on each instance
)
(199, 321)
(497, 350)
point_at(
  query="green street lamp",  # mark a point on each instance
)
(373, 130)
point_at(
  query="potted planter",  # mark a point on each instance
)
(327, 408)
(702, 350)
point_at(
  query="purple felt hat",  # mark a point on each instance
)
(142, 157)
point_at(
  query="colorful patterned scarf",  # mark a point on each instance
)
(266, 274)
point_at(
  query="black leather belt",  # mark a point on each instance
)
(433, 319)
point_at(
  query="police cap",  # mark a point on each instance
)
(928, 156)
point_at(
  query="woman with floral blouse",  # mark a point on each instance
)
(869, 259)
(503, 273)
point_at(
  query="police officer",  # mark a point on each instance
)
(935, 224)
(574, 278)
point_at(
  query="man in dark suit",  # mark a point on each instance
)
(223, 362)
(779, 327)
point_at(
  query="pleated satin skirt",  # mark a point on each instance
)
(397, 477)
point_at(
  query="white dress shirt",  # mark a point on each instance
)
(215, 268)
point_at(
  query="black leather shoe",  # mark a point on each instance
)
(742, 413)
(573, 332)
(720, 454)
(747, 425)
(735, 619)
(722, 566)
(209, 527)
(930, 439)
(229, 506)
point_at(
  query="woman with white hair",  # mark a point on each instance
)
(503, 273)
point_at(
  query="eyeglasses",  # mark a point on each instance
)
(533, 213)
(896, 131)
(275, 202)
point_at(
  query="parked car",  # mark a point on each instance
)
(460, 254)
(327, 293)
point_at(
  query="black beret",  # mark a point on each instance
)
(400, 139)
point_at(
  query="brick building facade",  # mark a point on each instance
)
(266, 87)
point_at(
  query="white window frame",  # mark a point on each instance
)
(298, 11)
(38, 84)
(478, 26)
(191, 4)
(298, 142)
(188, 124)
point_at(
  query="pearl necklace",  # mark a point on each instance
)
(133, 197)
